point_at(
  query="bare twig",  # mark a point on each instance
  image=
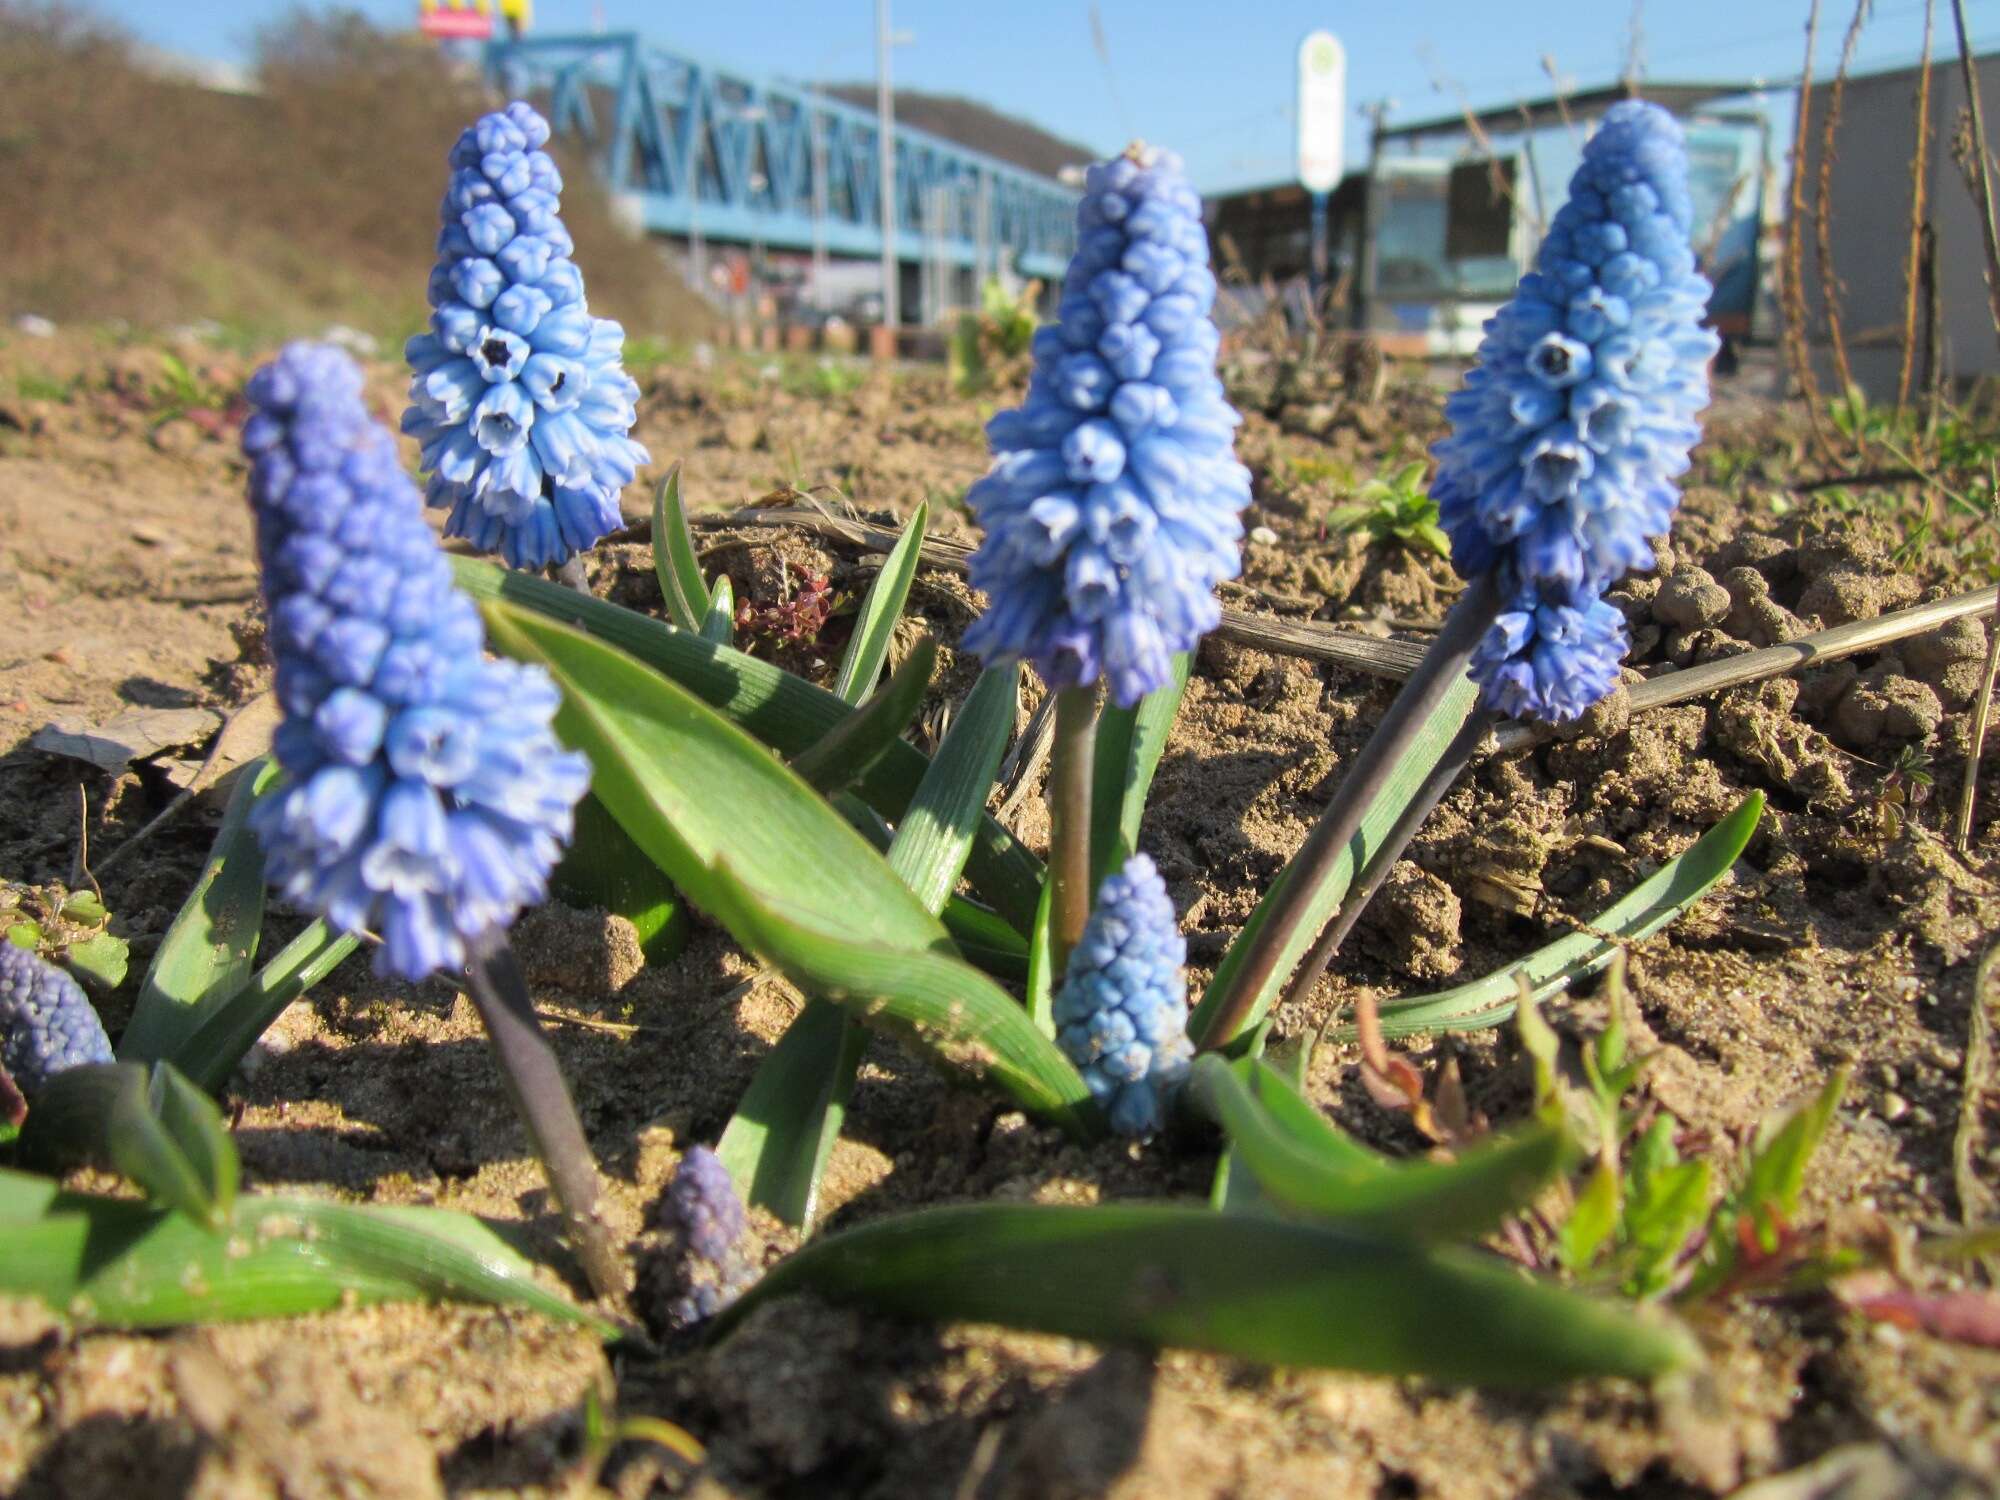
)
(1983, 182)
(1973, 1195)
(1025, 761)
(1969, 793)
(1774, 661)
(1797, 355)
(1918, 186)
(1829, 279)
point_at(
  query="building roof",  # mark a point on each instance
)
(1554, 110)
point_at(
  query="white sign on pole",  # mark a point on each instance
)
(1322, 111)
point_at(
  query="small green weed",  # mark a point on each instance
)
(1399, 509)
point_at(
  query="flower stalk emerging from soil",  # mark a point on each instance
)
(1558, 476)
(47, 1023)
(1122, 1010)
(519, 396)
(425, 796)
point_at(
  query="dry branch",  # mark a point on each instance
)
(1912, 273)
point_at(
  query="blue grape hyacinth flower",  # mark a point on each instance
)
(424, 797)
(1122, 1012)
(519, 397)
(1568, 436)
(1112, 507)
(709, 1221)
(47, 1023)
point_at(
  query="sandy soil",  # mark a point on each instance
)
(126, 583)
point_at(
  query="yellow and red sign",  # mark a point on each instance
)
(456, 20)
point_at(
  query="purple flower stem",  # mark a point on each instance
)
(542, 1099)
(1363, 890)
(1070, 774)
(1442, 666)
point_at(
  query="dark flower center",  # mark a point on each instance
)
(494, 352)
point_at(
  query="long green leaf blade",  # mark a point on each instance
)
(1301, 1161)
(211, 1054)
(777, 1144)
(785, 712)
(953, 1011)
(1129, 745)
(692, 788)
(207, 954)
(935, 836)
(1239, 1284)
(844, 754)
(882, 606)
(116, 1263)
(1397, 789)
(719, 624)
(150, 1125)
(1642, 911)
(674, 559)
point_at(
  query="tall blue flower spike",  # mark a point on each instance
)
(47, 1023)
(1112, 508)
(519, 396)
(1122, 1012)
(424, 795)
(1569, 434)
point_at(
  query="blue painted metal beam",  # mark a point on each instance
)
(705, 150)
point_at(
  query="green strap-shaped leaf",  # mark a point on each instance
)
(1129, 744)
(211, 1053)
(785, 712)
(845, 752)
(1043, 981)
(603, 868)
(152, 1126)
(950, 1009)
(1300, 1160)
(116, 1263)
(1246, 1285)
(1643, 911)
(690, 787)
(1402, 783)
(881, 607)
(674, 559)
(777, 1144)
(1234, 1189)
(719, 624)
(986, 941)
(935, 836)
(207, 954)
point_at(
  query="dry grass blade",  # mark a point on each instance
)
(1974, 1197)
(1981, 713)
(1979, 171)
(1792, 269)
(1912, 267)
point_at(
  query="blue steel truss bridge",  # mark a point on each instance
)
(709, 154)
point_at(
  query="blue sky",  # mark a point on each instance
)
(1212, 80)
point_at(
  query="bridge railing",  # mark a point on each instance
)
(707, 151)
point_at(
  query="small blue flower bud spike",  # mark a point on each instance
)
(47, 1024)
(1113, 506)
(519, 396)
(708, 1220)
(425, 797)
(1559, 473)
(1121, 1015)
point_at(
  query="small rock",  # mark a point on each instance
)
(1894, 1106)
(1691, 599)
(1892, 707)
(1263, 536)
(35, 326)
(353, 340)
(1927, 655)
(1841, 595)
